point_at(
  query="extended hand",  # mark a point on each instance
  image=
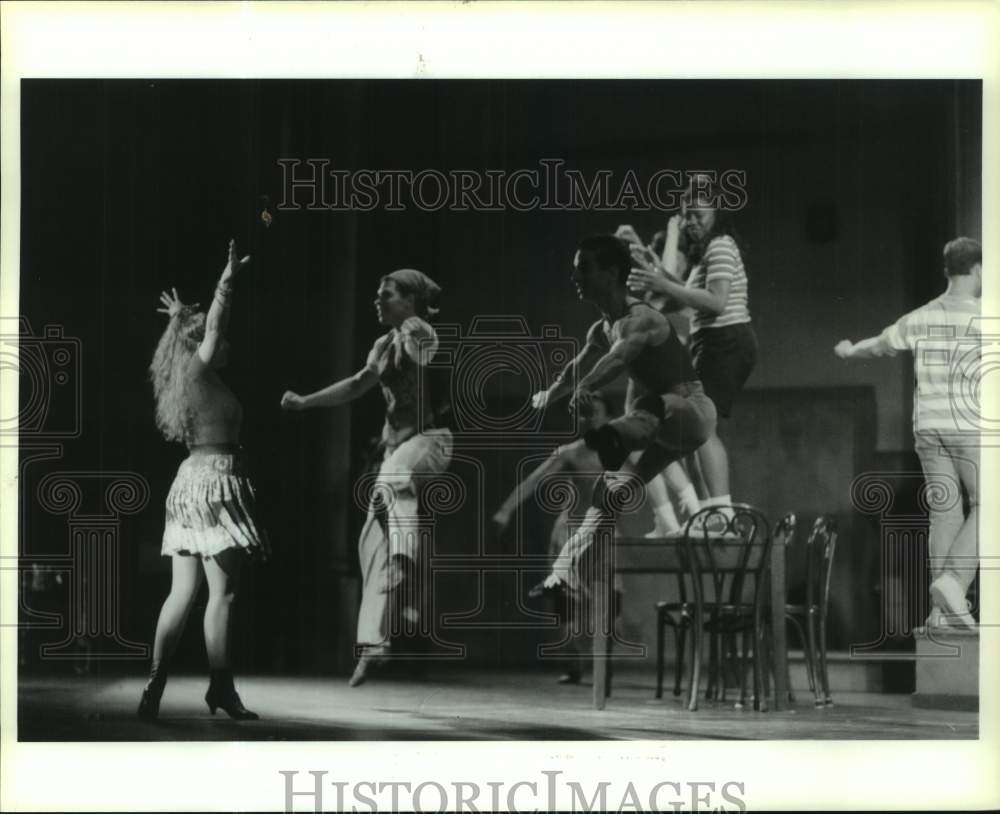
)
(628, 234)
(232, 264)
(540, 399)
(843, 348)
(645, 280)
(173, 303)
(292, 401)
(500, 520)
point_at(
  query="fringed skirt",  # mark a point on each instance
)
(212, 506)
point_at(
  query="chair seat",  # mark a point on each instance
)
(674, 606)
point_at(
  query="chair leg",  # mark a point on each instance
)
(680, 639)
(607, 653)
(695, 678)
(813, 661)
(660, 625)
(788, 682)
(745, 640)
(822, 661)
(767, 661)
(757, 682)
(714, 645)
(809, 657)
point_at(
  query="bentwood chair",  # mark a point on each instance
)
(728, 553)
(678, 617)
(812, 614)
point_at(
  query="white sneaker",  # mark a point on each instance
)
(716, 523)
(947, 594)
(936, 618)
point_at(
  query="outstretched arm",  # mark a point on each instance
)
(563, 385)
(345, 390)
(335, 394)
(873, 347)
(635, 333)
(218, 314)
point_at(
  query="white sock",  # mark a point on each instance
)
(663, 510)
(688, 498)
(665, 518)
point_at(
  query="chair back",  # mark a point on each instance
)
(820, 548)
(732, 546)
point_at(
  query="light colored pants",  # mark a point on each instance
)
(401, 475)
(950, 463)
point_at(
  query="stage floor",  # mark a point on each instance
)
(457, 706)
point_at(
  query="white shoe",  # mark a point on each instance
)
(936, 618)
(716, 522)
(948, 595)
(661, 529)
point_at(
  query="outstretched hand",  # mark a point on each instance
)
(647, 280)
(540, 399)
(644, 257)
(292, 401)
(232, 264)
(628, 234)
(843, 348)
(172, 304)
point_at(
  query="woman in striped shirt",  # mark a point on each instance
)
(723, 344)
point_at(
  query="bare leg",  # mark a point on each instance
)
(713, 464)
(223, 574)
(184, 585)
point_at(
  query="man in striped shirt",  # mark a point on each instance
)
(944, 337)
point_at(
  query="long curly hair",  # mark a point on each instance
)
(174, 351)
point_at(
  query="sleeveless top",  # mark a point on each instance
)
(660, 367)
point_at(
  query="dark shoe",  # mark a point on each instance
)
(555, 592)
(149, 704)
(222, 695)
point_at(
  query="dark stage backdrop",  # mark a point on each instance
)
(129, 187)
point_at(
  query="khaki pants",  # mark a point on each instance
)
(422, 454)
(951, 462)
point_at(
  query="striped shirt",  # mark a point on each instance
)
(944, 336)
(721, 261)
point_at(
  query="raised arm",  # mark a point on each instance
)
(218, 315)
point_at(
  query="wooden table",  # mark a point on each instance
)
(664, 555)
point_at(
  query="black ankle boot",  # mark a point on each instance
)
(149, 704)
(222, 695)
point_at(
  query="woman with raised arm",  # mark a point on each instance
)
(723, 343)
(210, 517)
(416, 445)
